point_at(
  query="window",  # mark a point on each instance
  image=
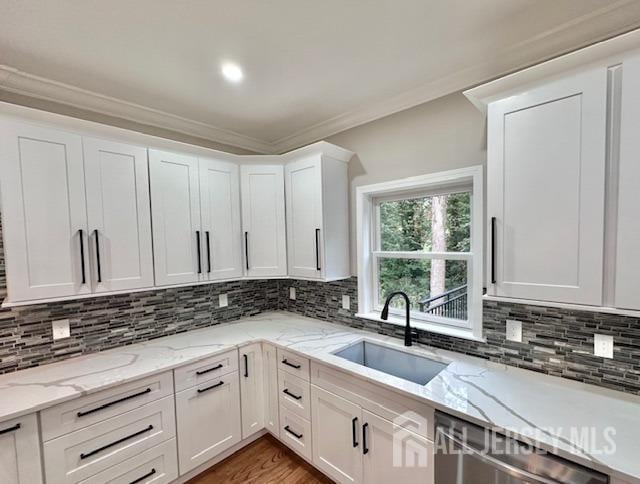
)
(423, 236)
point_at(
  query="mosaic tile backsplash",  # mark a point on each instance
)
(555, 341)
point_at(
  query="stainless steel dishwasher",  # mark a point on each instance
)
(482, 457)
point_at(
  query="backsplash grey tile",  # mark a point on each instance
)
(556, 341)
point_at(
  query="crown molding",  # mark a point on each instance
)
(19, 82)
(614, 19)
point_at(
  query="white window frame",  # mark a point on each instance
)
(367, 200)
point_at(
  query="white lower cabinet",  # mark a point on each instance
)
(271, 404)
(78, 455)
(20, 451)
(157, 465)
(352, 445)
(208, 420)
(251, 389)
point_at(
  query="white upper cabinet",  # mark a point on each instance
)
(263, 220)
(175, 209)
(546, 192)
(44, 212)
(119, 218)
(221, 228)
(317, 218)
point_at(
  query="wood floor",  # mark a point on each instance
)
(264, 461)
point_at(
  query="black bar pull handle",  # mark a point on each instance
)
(208, 252)
(198, 249)
(493, 250)
(13, 428)
(318, 250)
(246, 365)
(354, 431)
(119, 441)
(95, 233)
(109, 404)
(205, 389)
(202, 372)
(285, 362)
(82, 268)
(297, 436)
(365, 449)
(246, 249)
(287, 392)
(142, 478)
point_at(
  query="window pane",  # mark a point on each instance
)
(434, 287)
(435, 224)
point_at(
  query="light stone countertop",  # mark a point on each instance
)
(550, 410)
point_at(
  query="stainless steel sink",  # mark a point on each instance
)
(408, 366)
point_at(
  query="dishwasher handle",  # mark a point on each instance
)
(498, 464)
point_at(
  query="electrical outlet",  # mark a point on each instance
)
(603, 345)
(60, 329)
(292, 293)
(514, 330)
(346, 302)
(223, 301)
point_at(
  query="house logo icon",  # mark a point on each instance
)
(409, 449)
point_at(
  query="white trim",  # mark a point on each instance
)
(575, 307)
(366, 197)
(425, 326)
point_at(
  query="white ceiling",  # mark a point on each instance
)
(311, 68)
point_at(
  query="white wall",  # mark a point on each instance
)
(439, 135)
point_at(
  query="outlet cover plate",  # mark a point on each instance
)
(346, 302)
(292, 293)
(223, 301)
(514, 330)
(60, 329)
(603, 345)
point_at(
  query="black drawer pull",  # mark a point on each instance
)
(10, 429)
(202, 372)
(493, 250)
(119, 400)
(142, 478)
(297, 397)
(285, 362)
(208, 252)
(198, 250)
(318, 250)
(95, 232)
(84, 277)
(119, 441)
(297, 436)
(354, 431)
(246, 365)
(365, 449)
(246, 249)
(219, 384)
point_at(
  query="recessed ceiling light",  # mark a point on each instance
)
(232, 72)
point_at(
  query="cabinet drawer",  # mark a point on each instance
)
(294, 364)
(209, 422)
(294, 394)
(295, 432)
(204, 370)
(91, 409)
(88, 451)
(158, 465)
(406, 412)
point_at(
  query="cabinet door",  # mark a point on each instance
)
(208, 418)
(20, 451)
(221, 228)
(546, 164)
(251, 389)
(336, 436)
(263, 220)
(270, 365)
(44, 212)
(628, 236)
(303, 180)
(394, 454)
(175, 209)
(119, 215)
